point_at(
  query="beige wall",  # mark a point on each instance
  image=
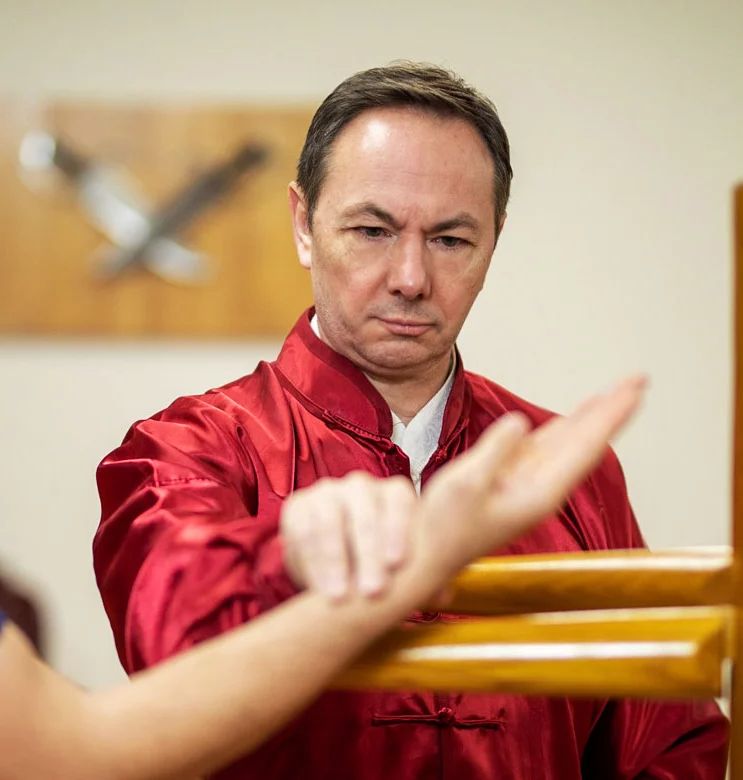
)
(626, 121)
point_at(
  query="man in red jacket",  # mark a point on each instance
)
(400, 197)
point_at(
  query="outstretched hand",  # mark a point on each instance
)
(513, 478)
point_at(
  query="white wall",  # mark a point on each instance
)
(626, 122)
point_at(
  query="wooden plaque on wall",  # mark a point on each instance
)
(50, 249)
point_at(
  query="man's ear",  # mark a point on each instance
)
(300, 225)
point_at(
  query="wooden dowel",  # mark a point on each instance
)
(594, 580)
(670, 653)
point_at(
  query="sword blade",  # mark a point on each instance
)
(190, 202)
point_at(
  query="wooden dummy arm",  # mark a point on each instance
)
(616, 579)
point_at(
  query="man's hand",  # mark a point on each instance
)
(353, 530)
(357, 530)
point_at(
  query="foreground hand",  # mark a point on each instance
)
(511, 479)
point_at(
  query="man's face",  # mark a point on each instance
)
(401, 238)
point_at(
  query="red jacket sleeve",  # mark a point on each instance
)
(649, 740)
(184, 550)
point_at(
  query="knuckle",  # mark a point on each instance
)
(289, 521)
(358, 478)
(324, 490)
(402, 492)
(287, 508)
(398, 484)
(327, 490)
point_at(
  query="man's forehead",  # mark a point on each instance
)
(386, 155)
(396, 128)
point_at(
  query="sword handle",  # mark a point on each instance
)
(71, 163)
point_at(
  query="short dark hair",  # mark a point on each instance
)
(404, 84)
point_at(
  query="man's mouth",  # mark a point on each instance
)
(405, 327)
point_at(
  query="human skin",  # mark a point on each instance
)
(202, 709)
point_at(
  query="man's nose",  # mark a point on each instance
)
(409, 273)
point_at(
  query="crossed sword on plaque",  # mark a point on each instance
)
(141, 236)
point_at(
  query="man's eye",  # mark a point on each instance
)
(371, 232)
(451, 242)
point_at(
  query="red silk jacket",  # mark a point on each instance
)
(188, 548)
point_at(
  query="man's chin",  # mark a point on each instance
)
(396, 356)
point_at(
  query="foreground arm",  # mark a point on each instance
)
(202, 709)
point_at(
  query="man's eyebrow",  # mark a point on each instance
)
(461, 220)
(369, 209)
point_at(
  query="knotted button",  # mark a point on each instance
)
(445, 715)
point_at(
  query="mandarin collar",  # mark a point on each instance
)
(334, 388)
